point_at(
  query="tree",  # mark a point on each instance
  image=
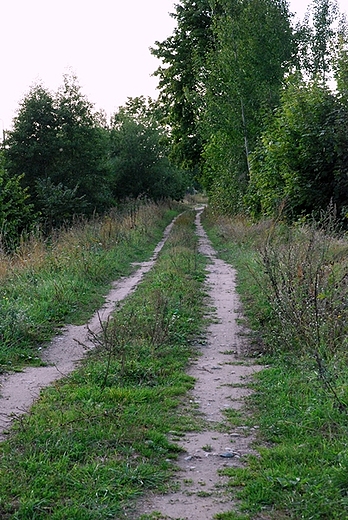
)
(58, 142)
(297, 161)
(82, 163)
(340, 63)
(341, 127)
(301, 160)
(139, 154)
(16, 213)
(253, 50)
(181, 78)
(32, 145)
(317, 39)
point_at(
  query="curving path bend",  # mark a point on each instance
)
(19, 390)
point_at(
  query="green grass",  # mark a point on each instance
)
(98, 439)
(301, 471)
(64, 279)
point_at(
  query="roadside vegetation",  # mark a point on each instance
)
(50, 281)
(247, 91)
(99, 438)
(293, 284)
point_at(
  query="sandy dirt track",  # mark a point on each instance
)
(222, 377)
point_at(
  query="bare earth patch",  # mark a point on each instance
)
(221, 376)
(19, 390)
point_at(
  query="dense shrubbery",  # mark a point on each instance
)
(139, 155)
(245, 105)
(252, 92)
(62, 159)
(300, 160)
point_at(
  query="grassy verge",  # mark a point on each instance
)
(99, 438)
(293, 288)
(47, 283)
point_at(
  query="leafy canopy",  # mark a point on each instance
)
(139, 154)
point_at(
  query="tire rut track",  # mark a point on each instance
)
(19, 390)
(221, 384)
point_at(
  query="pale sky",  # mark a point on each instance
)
(104, 42)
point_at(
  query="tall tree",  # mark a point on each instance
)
(181, 77)
(254, 49)
(317, 38)
(340, 62)
(341, 134)
(83, 159)
(32, 146)
(60, 147)
(301, 158)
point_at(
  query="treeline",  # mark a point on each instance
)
(246, 108)
(63, 159)
(248, 95)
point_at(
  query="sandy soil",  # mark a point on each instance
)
(19, 390)
(222, 377)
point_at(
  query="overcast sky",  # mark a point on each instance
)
(104, 42)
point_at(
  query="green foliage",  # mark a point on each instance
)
(220, 178)
(317, 38)
(57, 140)
(222, 70)
(16, 213)
(181, 78)
(57, 202)
(299, 166)
(299, 161)
(139, 155)
(32, 145)
(82, 161)
(256, 143)
(253, 49)
(72, 163)
(341, 65)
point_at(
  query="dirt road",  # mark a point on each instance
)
(19, 390)
(222, 377)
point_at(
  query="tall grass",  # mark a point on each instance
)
(293, 283)
(49, 281)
